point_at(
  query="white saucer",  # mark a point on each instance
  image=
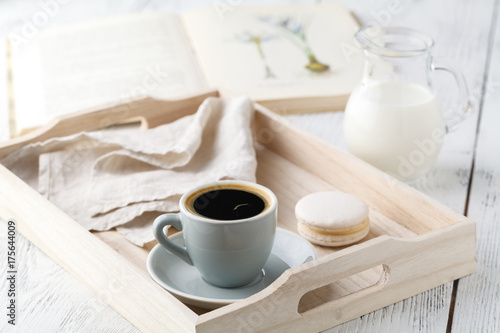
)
(185, 282)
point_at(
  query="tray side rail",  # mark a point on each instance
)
(119, 283)
(393, 198)
(151, 112)
(409, 267)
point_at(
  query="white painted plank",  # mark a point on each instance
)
(50, 299)
(4, 115)
(477, 306)
(450, 24)
(447, 22)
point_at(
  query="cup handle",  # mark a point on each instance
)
(174, 220)
(463, 108)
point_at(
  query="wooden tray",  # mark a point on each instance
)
(414, 244)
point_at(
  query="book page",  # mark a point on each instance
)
(277, 52)
(71, 68)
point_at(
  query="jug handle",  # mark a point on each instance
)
(464, 106)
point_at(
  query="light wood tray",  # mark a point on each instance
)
(414, 244)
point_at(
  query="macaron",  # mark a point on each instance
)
(332, 218)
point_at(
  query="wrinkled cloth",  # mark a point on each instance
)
(124, 178)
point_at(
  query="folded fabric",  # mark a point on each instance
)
(124, 178)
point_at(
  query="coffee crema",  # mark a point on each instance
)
(227, 203)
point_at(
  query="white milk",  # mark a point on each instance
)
(397, 127)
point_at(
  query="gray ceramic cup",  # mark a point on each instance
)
(227, 253)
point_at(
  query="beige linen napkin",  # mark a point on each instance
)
(124, 179)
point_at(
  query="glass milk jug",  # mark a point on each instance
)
(393, 120)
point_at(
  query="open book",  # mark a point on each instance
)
(289, 58)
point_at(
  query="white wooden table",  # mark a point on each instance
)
(466, 177)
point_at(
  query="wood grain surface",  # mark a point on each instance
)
(477, 307)
(466, 176)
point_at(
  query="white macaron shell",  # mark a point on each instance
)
(331, 211)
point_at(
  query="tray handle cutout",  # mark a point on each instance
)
(345, 289)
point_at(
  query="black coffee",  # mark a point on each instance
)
(228, 204)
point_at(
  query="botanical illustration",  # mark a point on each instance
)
(295, 31)
(257, 40)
